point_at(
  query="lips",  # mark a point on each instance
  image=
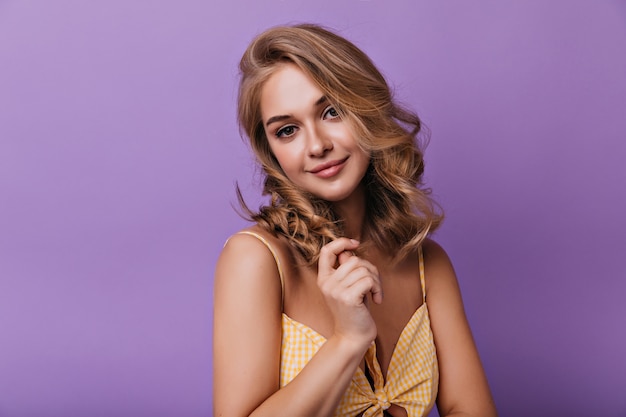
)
(329, 169)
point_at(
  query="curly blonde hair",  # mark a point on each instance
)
(399, 211)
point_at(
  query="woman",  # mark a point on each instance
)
(320, 307)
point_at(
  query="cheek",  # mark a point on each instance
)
(286, 159)
(363, 156)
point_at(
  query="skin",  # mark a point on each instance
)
(342, 299)
(305, 133)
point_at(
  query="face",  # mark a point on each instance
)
(315, 148)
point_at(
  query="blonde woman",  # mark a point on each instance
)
(335, 302)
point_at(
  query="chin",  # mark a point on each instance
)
(340, 194)
(334, 197)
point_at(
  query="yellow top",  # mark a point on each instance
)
(413, 375)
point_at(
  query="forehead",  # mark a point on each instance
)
(288, 91)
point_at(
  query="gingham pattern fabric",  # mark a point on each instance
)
(413, 374)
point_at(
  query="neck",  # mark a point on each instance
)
(352, 212)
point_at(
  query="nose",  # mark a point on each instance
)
(319, 143)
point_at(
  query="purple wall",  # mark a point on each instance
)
(119, 152)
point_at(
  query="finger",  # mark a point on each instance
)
(331, 251)
(360, 289)
(377, 292)
(365, 270)
(354, 263)
(347, 277)
(344, 256)
(369, 284)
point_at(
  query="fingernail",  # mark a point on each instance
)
(354, 241)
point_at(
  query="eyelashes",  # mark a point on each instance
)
(329, 113)
(286, 131)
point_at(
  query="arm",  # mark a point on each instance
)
(247, 335)
(463, 387)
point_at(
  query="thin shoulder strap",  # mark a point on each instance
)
(276, 258)
(422, 279)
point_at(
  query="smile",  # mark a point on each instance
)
(329, 169)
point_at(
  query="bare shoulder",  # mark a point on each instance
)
(442, 288)
(252, 257)
(256, 239)
(437, 265)
(246, 322)
(251, 237)
(463, 386)
(433, 250)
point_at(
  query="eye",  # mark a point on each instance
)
(330, 113)
(286, 131)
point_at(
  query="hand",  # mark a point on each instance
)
(346, 289)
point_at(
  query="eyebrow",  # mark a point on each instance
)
(275, 119)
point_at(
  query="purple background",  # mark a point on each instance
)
(119, 152)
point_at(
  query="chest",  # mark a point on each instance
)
(305, 303)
